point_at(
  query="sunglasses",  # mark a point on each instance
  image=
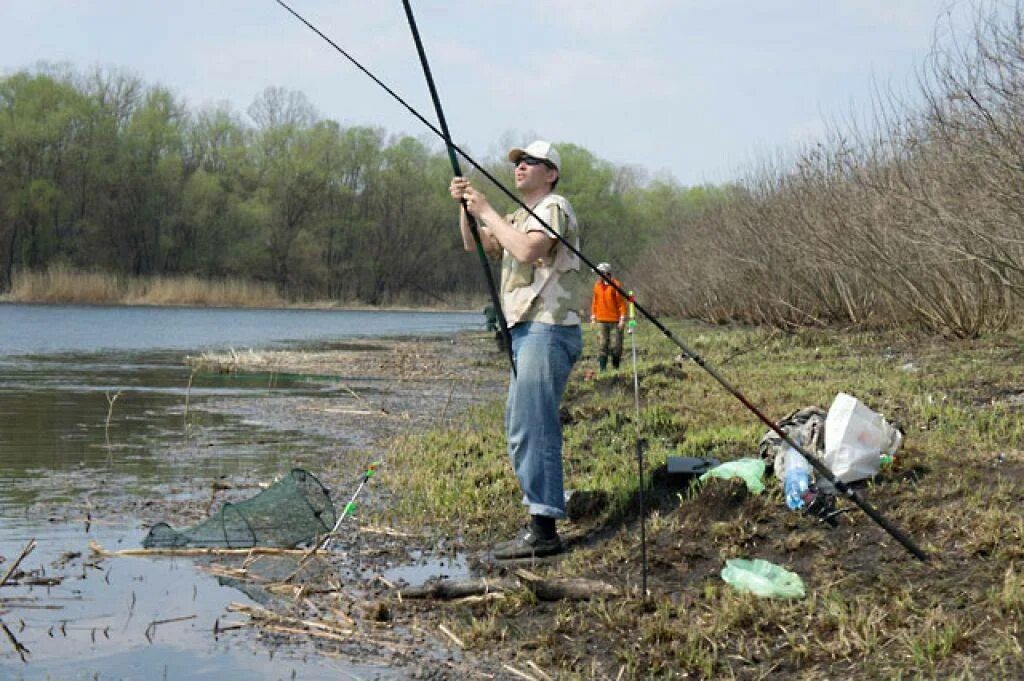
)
(531, 161)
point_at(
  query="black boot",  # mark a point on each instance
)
(540, 538)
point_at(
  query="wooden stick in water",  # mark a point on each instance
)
(255, 550)
(14, 566)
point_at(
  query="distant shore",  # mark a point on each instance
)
(60, 285)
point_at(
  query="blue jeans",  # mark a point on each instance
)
(544, 355)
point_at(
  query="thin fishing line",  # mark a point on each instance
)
(820, 467)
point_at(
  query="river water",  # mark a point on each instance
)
(92, 407)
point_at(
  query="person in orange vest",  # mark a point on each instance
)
(608, 310)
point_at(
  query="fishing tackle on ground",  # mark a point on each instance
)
(294, 510)
(328, 538)
(350, 507)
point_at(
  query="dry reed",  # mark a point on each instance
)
(912, 220)
(62, 284)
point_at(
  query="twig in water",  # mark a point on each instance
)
(99, 550)
(131, 613)
(216, 487)
(188, 391)
(151, 629)
(110, 412)
(22, 651)
(14, 566)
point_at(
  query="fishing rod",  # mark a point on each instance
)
(841, 487)
(350, 507)
(457, 170)
(640, 444)
(324, 543)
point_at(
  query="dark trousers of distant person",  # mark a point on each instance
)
(609, 344)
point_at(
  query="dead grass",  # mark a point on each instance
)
(61, 284)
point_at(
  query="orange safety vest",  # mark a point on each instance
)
(607, 304)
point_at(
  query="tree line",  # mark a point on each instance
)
(911, 220)
(101, 172)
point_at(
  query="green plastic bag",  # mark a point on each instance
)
(762, 578)
(750, 471)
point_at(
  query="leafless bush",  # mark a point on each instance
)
(915, 221)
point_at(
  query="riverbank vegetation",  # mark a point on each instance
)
(912, 219)
(871, 611)
(60, 284)
(909, 220)
(100, 172)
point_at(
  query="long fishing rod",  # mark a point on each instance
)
(820, 467)
(495, 300)
(640, 443)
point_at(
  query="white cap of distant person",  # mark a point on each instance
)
(540, 149)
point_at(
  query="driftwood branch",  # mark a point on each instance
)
(255, 550)
(448, 589)
(151, 629)
(264, 616)
(572, 589)
(36, 581)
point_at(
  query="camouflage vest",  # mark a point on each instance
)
(550, 289)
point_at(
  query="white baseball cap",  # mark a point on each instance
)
(604, 268)
(538, 149)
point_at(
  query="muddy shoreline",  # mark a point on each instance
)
(445, 493)
(382, 388)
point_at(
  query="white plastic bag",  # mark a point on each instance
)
(856, 438)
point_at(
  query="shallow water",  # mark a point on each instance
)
(93, 410)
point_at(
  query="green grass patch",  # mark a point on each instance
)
(872, 611)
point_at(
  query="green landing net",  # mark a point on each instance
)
(291, 512)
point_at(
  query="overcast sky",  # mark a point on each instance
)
(695, 88)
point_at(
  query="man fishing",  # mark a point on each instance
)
(541, 293)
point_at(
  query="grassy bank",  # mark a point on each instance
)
(871, 611)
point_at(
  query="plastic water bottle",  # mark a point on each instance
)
(893, 442)
(797, 480)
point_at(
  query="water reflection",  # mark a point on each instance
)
(82, 426)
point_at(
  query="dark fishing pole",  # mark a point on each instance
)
(641, 445)
(495, 300)
(840, 486)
